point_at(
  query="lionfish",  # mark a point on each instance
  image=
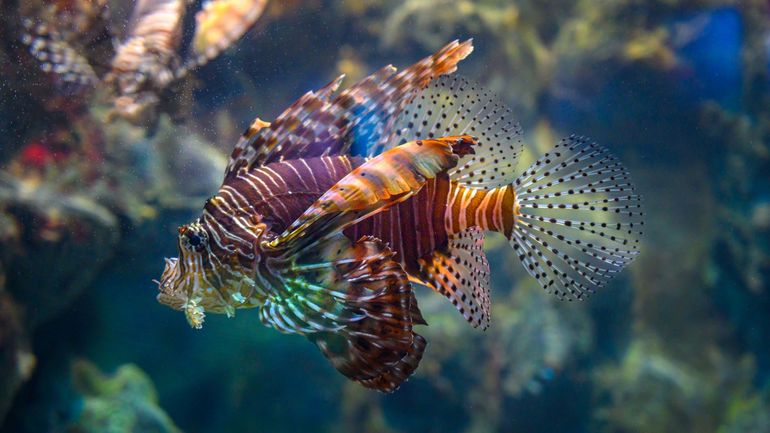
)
(73, 41)
(329, 214)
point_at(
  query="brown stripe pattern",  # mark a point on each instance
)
(413, 228)
(280, 192)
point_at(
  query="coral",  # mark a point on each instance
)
(71, 231)
(650, 391)
(125, 402)
(678, 344)
(536, 51)
(750, 414)
(187, 168)
(741, 254)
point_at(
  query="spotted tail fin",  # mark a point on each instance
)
(578, 218)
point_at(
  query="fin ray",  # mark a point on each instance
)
(462, 274)
(72, 72)
(319, 125)
(453, 105)
(355, 302)
(579, 218)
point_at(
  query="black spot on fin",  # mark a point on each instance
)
(462, 275)
(580, 218)
(453, 105)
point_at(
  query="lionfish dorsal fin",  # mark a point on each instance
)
(357, 118)
(461, 273)
(356, 303)
(379, 183)
(286, 130)
(454, 105)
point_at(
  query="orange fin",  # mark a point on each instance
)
(219, 24)
(381, 182)
(462, 275)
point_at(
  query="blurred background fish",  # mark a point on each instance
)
(78, 45)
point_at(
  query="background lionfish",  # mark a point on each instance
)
(327, 215)
(74, 42)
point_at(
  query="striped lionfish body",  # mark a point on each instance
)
(329, 214)
(63, 36)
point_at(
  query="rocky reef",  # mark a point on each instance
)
(125, 402)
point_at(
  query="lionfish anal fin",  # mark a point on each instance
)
(461, 273)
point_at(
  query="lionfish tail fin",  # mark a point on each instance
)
(578, 218)
(356, 303)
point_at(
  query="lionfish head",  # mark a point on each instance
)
(198, 281)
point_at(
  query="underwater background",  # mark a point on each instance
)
(90, 201)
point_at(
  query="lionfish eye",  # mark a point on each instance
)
(193, 239)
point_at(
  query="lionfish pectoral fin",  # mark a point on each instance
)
(356, 303)
(381, 182)
(578, 218)
(461, 273)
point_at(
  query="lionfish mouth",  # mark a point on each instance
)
(174, 293)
